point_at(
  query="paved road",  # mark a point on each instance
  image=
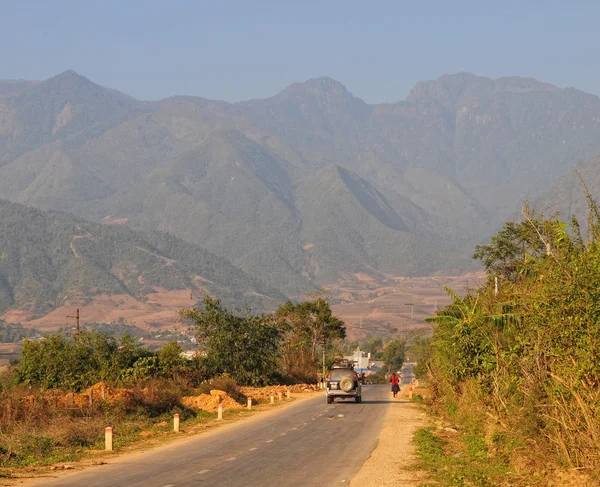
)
(304, 444)
(407, 373)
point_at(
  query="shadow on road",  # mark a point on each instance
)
(374, 401)
(385, 401)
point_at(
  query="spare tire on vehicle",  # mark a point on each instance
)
(347, 384)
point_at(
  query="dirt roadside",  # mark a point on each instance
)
(390, 463)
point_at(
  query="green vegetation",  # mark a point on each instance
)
(459, 461)
(393, 355)
(242, 346)
(257, 350)
(57, 362)
(306, 328)
(527, 354)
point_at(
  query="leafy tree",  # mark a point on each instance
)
(170, 359)
(244, 347)
(393, 355)
(59, 362)
(305, 327)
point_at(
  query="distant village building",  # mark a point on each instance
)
(360, 360)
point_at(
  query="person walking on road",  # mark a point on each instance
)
(395, 384)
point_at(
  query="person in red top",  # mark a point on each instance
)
(395, 380)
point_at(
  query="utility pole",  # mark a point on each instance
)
(323, 376)
(76, 322)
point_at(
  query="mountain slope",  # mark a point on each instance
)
(49, 258)
(360, 231)
(310, 183)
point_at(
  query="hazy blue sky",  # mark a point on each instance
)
(235, 50)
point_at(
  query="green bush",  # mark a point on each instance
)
(524, 347)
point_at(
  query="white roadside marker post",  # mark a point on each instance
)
(220, 411)
(272, 399)
(280, 395)
(249, 403)
(288, 394)
(176, 423)
(108, 438)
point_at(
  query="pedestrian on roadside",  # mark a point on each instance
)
(395, 384)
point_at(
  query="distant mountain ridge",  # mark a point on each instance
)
(304, 186)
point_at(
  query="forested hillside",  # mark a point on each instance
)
(47, 259)
(304, 186)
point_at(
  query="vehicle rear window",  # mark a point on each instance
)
(337, 374)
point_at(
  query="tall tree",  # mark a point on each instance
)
(306, 326)
(243, 346)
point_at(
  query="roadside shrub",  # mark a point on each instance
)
(523, 348)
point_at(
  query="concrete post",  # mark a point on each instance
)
(272, 399)
(103, 393)
(288, 394)
(108, 438)
(176, 423)
(410, 392)
(91, 397)
(249, 403)
(220, 411)
(280, 395)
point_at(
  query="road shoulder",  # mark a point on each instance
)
(392, 462)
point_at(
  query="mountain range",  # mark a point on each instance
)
(304, 187)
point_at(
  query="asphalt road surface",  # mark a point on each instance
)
(407, 373)
(309, 443)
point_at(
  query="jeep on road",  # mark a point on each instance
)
(343, 382)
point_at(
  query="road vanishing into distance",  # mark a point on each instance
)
(308, 443)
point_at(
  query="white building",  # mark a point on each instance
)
(360, 359)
